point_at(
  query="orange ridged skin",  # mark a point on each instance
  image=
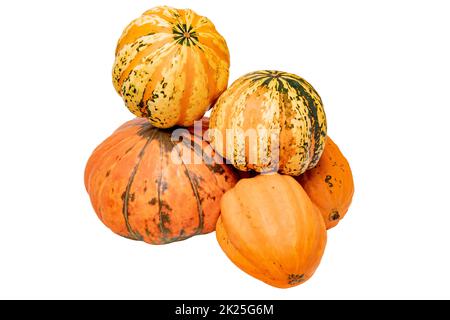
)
(271, 230)
(140, 193)
(330, 184)
(170, 67)
(281, 112)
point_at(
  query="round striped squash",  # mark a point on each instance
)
(269, 121)
(170, 67)
(330, 184)
(143, 187)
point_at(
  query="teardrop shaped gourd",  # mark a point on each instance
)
(330, 184)
(171, 65)
(271, 230)
(269, 121)
(145, 186)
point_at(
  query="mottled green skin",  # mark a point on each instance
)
(287, 115)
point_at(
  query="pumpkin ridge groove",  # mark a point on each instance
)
(126, 198)
(160, 204)
(194, 189)
(147, 53)
(151, 85)
(213, 168)
(96, 165)
(110, 169)
(313, 112)
(189, 68)
(282, 123)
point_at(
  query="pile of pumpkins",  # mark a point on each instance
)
(270, 201)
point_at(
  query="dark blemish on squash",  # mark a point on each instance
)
(165, 218)
(296, 278)
(128, 150)
(216, 168)
(164, 186)
(132, 197)
(327, 180)
(108, 173)
(146, 129)
(199, 178)
(335, 216)
(140, 46)
(123, 196)
(143, 109)
(165, 205)
(153, 201)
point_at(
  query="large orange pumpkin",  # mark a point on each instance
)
(142, 187)
(270, 229)
(170, 67)
(269, 121)
(330, 184)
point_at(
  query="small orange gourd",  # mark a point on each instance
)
(330, 184)
(271, 230)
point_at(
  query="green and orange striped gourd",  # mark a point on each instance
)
(269, 121)
(170, 66)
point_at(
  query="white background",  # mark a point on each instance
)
(382, 69)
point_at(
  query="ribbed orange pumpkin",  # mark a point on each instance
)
(330, 184)
(142, 188)
(270, 229)
(171, 65)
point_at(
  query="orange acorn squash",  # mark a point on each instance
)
(142, 187)
(170, 67)
(270, 229)
(330, 184)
